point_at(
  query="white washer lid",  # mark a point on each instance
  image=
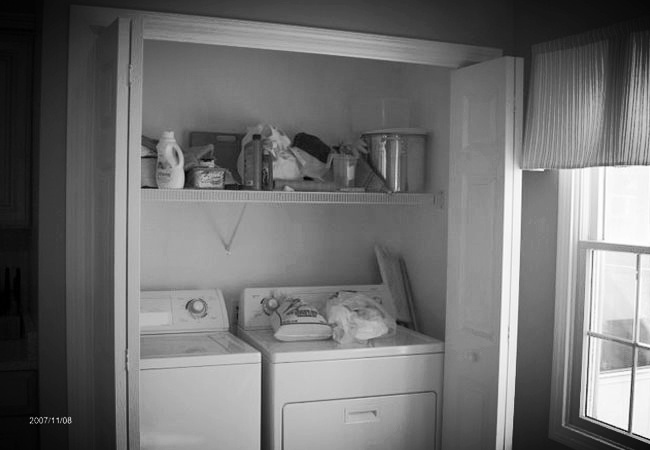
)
(194, 349)
(404, 342)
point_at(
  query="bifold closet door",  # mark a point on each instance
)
(102, 374)
(483, 255)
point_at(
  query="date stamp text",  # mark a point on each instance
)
(50, 420)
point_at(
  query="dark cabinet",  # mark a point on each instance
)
(15, 129)
(18, 404)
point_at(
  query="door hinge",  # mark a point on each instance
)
(130, 74)
(127, 366)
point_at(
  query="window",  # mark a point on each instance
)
(601, 365)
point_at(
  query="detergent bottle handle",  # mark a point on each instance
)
(178, 156)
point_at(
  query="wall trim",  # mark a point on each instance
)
(271, 36)
(295, 38)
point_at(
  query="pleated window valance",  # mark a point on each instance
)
(589, 100)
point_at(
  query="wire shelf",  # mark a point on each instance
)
(224, 196)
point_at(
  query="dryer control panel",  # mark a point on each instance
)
(182, 311)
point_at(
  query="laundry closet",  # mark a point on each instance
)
(283, 240)
(458, 237)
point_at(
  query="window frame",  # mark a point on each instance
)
(565, 422)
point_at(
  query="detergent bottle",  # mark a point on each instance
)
(169, 168)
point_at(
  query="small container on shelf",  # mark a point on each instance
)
(344, 168)
(267, 171)
(206, 178)
(148, 172)
(253, 154)
(148, 160)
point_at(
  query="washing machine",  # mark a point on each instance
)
(386, 394)
(200, 386)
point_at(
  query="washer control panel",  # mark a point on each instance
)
(180, 311)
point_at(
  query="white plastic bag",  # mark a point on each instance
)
(356, 318)
(195, 155)
(275, 141)
(286, 166)
(289, 163)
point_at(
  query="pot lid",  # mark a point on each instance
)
(416, 131)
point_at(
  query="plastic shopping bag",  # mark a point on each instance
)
(278, 144)
(286, 166)
(289, 163)
(356, 317)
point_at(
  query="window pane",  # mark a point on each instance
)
(627, 205)
(608, 382)
(613, 293)
(641, 421)
(644, 302)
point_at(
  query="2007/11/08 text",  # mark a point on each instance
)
(46, 420)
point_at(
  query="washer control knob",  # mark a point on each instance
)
(269, 304)
(197, 307)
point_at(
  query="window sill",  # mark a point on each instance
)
(580, 439)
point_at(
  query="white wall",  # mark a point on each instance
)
(211, 88)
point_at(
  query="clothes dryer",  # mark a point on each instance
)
(385, 394)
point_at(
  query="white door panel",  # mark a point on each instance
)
(476, 282)
(483, 252)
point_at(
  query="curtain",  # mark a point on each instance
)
(589, 100)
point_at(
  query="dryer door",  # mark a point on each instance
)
(386, 422)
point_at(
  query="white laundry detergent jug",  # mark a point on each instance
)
(169, 169)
